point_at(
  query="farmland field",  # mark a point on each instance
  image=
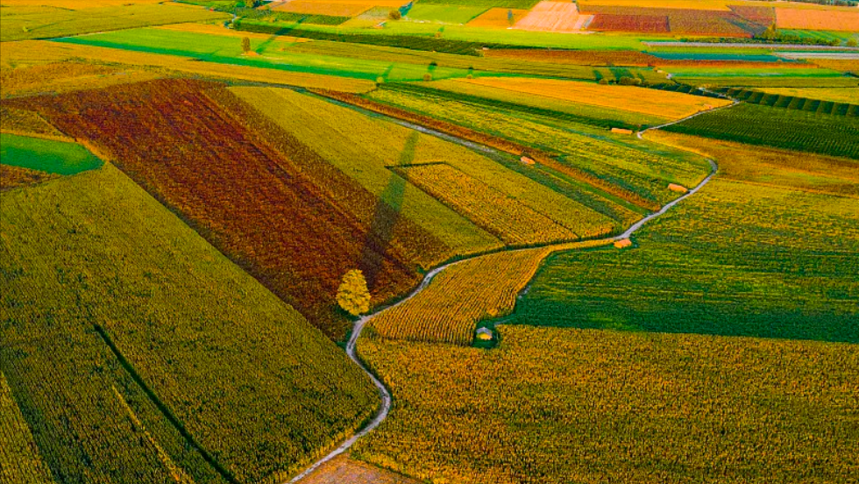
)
(60, 157)
(632, 172)
(781, 128)
(649, 102)
(38, 22)
(227, 50)
(843, 95)
(568, 405)
(110, 256)
(458, 14)
(429, 241)
(721, 274)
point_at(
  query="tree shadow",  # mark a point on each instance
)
(385, 217)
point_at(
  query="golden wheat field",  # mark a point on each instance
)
(560, 406)
(462, 295)
(629, 98)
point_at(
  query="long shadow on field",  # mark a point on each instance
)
(386, 216)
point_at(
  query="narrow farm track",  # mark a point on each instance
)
(361, 323)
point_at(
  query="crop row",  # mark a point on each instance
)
(19, 457)
(751, 96)
(782, 128)
(499, 214)
(557, 406)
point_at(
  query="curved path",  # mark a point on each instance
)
(359, 325)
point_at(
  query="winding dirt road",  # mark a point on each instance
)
(359, 325)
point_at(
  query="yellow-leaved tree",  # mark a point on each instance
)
(353, 295)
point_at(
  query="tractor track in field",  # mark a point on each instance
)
(360, 324)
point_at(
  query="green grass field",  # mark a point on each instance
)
(247, 379)
(227, 50)
(825, 134)
(20, 23)
(455, 14)
(62, 158)
(736, 259)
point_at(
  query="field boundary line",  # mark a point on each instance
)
(162, 407)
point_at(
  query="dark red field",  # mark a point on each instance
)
(680, 21)
(249, 199)
(630, 23)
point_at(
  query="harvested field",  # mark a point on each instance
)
(761, 15)
(77, 4)
(793, 18)
(238, 203)
(553, 17)
(498, 17)
(680, 21)
(16, 176)
(656, 24)
(497, 213)
(646, 101)
(334, 9)
(343, 469)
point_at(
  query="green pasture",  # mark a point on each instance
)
(810, 131)
(50, 156)
(454, 14)
(734, 260)
(273, 54)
